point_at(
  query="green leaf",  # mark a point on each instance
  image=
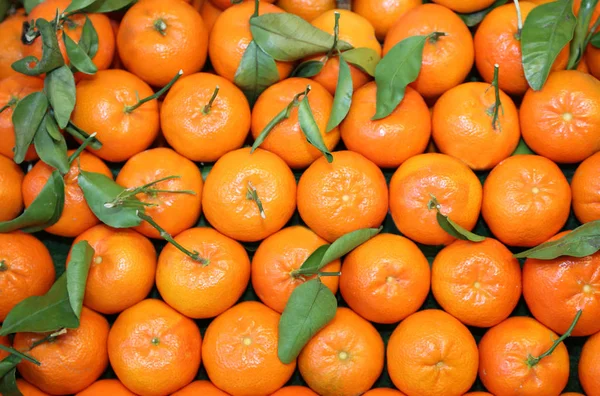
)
(282, 115)
(30, 4)
(522, 148)
(366, 59)
(4, 7)
(205, 170)
(59, 86)
(98, 191)
(584, 17)
(77, 274)
(309, 68)
(77, 5)
(53, 152)
(45, 209)
(19, 354)
(27, 117)
(582, 241)
(256, 72)
(309, 127)
(287, 37)
(78, 56)
(80, 134)
(343, 96)
(8, 363)
(103, 6)
(475, 18)
(89, 38)
(51, 55)
(546, 31)
(8, 384)
(310, 307)
(448, 225)
(595, 41)
(52, 128)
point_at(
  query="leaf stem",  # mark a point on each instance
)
(532, 361)
(336, 35)
(160, 26)
(329, 273)
(23, 356)
(129, 109)
(519, 20)
(497, 102)
(252, 195)
(49, 338)
(7, 106)
(256, 8)
(207, 107)
(82, 147)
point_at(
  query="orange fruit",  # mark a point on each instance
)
(478, 394)
(110, 387)
(526, 200)
(382, 14)
(175, 212)
(203, 289)
(4, 340)
(455, 186)
(240, 351)
(101, 107)
(344, 358)
(204, 388)
(294, 391)
(447, 60)
(383, 392)
(556, 289)
(306, 9)
(343, 196)
(26, 269)
(231, 35)
(153, 349)
(286, 139)
(10, 42)
(227, 201)
(562, 120)
(390, 141)
(572, 394)
(76, 215)
(224, 4)
(13, 89)
(479, 283)
(585, 188)
(592, 60)
(209, 13)
(589, 365)
(432, 353)
(122, 270)
(27, 389)
(503, 359)
(463, 125)
(199, 133)
(497, 43)
(465, 6)
(279, 255)
(353, 29)
(385, 279)
(151, 29)
(11, 177)
(69, 363)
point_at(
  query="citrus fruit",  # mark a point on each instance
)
(110, 387)
(209, 13)
(204, 388)
(27, 389)
(10, 42)
(589, 364)
(224, 4)
(383, 392)
(592, 60)
(585, 188)
(306, 9)
(465, 6)
(382, 14)
(11, 177)
(294, 391)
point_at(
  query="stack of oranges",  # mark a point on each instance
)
(422, 311)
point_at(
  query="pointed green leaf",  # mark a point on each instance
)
(78, 57)
(89, 38)
(77, 274)
(595, 41)
(8, 384)
(8, 363)
(30, 4)
(309, 68)
(77, 5)
(104, 6)
(452, 228)
(256, 72)
(584, 18)
(522, 148)
(27, 117)
(366, 59)
(51, 55)
(343, 96)
(52, 152)
(59, 86)
(309, 127)
(282, 115)
(19, 354)
(475, 18)
(52, 128)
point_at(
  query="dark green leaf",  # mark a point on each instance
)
(452, 228)
(27, 117)
(59, 86)
(522, 148)
(282, 115)
(53, 152)
(80, 134)
(582, 241)
(309, 127)
(4, 7)
(19, 354)
(546, 31)
(78, 57)
(584, 17)
(30, 4)
(77, 5)
(89, 38)
(52, 128)
(343, 96)
(103, 6)
(287, 37)
(8, 363)
(100, 190)
(77, 274)
(8, 384)
(51, 55)
(206, 170)
(309, 68)
(475, 18)
(257, 71)
(366, 59)
(595, 41)
(310, 307)
(45, 209)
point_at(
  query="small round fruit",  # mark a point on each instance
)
(589, 365)
(204, 388)
(382, 14)
(13, 48)
(103, 387)
(11, 196)
(465, 6)
(294, 391)
(306, 9)
(585, 188)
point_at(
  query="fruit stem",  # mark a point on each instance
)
(160, 26)
(519, 20)
(256, 8)
(3, 266)
(497, 103)
(7, 106)
(127, 196)
(435, 36)
(48, 338)
(329, 273)
(532, 361)
(207, 107)
(82, 147)
(129, 109)
(252, 195)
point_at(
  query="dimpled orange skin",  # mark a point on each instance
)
(455, 186)
(205, 137)
(383, 392)
(156, 57)
(526, 200)
(556, 289)
(432, 353)
(294, 391)
(585, 188)
(230, 36)
(343, 196)
(203, 290)
(224, 4)
(463, 125)
(76, 215)
(496, 43)
(385, 279)
(153, 349)
(383, 14)
(175, 211)
(204, 388)
(280, 254)
(225, 200)
(306, 9)
(286, 139)
(27, 389)
(479, 283)
(240, 347)
(562, 120)
(122, 269)
(478, 394)
(589, 365)
(465, 7)
(71, 362)
(355, 30)
(11, 177)
(13, 89)
(209, 13)
(104, 387)
(592, 60)
(100, 107)
(26, 269)
(392, 140)
(448, 60)
(10, 42)
(503, 353)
